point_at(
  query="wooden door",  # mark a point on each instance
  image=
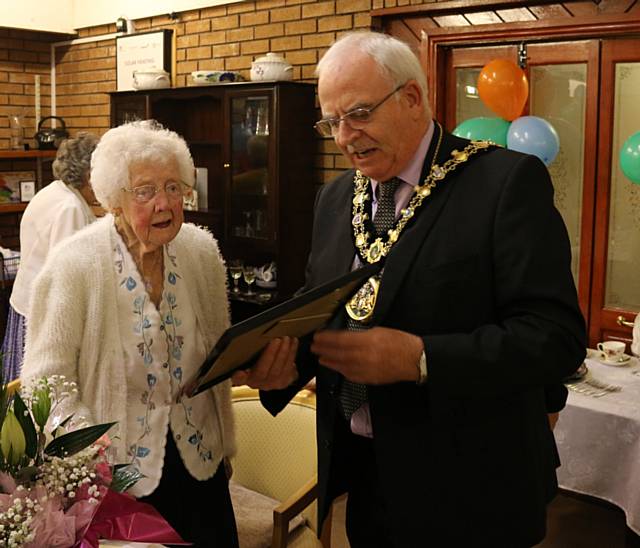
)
(616, 267)
(563, 81)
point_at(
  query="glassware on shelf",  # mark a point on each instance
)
(235, 269)
(249, 276)
(249, 230)
(262, 121)
(16, 125)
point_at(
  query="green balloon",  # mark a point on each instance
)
(630, 158)
(484, 129)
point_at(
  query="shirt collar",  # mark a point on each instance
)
(411, 173)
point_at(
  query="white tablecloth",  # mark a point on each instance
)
(599, 440)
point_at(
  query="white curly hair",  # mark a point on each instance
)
(133, 143)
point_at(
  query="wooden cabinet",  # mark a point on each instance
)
(256, 142)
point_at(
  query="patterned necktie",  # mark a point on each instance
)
(352, 394)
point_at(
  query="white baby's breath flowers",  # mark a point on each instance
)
(15, 522)
(66, 476)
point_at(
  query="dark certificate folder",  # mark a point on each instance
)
(296, 317)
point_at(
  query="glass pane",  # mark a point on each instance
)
(557, 93)
(623, 257)
(249, 168)
(468, 103)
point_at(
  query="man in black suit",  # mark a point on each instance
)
(433, 385)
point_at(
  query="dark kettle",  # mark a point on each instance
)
(49, 138)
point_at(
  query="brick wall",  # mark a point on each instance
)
(219, 38)
(23, 55)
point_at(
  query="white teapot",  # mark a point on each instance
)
(271, 67)
(152, 78)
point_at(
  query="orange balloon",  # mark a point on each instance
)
(504, 88)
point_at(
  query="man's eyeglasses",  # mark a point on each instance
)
(356, 118)
(174, 190)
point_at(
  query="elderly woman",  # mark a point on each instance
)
(128, 309)
(57, 211)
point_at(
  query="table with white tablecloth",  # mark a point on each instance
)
(599, 440)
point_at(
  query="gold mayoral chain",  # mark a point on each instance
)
(360, 306)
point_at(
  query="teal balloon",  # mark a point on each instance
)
(484, 129)
(630, 158)
(533, 135)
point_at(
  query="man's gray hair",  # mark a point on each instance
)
(133, 143)
(73, 159)
(395, 59)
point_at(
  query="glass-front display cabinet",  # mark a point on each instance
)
(249, 214)
(253, 146)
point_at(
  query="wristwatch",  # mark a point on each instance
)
(422, 369)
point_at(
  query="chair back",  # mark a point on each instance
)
(276, 455)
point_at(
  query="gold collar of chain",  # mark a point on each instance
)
(372, 252)
(360, 307)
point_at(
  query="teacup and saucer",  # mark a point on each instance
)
(612, 353)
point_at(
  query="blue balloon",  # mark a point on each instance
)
(533, 135)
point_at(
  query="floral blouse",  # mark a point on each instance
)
(163, 349)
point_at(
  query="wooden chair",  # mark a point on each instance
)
(276, 458)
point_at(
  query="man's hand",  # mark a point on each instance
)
(275, 369)
(376, 356)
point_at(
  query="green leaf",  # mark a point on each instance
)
(12, 439)
(41, 406)
(69, 444)
(24, 418)
(124, 477)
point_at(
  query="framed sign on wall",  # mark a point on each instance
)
(143, 51)
(27, 190)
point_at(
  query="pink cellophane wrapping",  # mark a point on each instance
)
(122, 517)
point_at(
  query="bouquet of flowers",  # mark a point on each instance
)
(57, 488)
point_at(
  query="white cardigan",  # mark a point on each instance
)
(72, 325)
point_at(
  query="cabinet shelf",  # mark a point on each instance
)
(204, 143)
(17, 154)
(13, 207)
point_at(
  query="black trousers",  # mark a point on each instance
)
(200, 511)
(366, 519)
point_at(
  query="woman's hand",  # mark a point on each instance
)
(275, 369)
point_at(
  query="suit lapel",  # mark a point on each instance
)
(403, 252)
(336, 255)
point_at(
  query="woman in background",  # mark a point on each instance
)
(128, 309)
(55, 212)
